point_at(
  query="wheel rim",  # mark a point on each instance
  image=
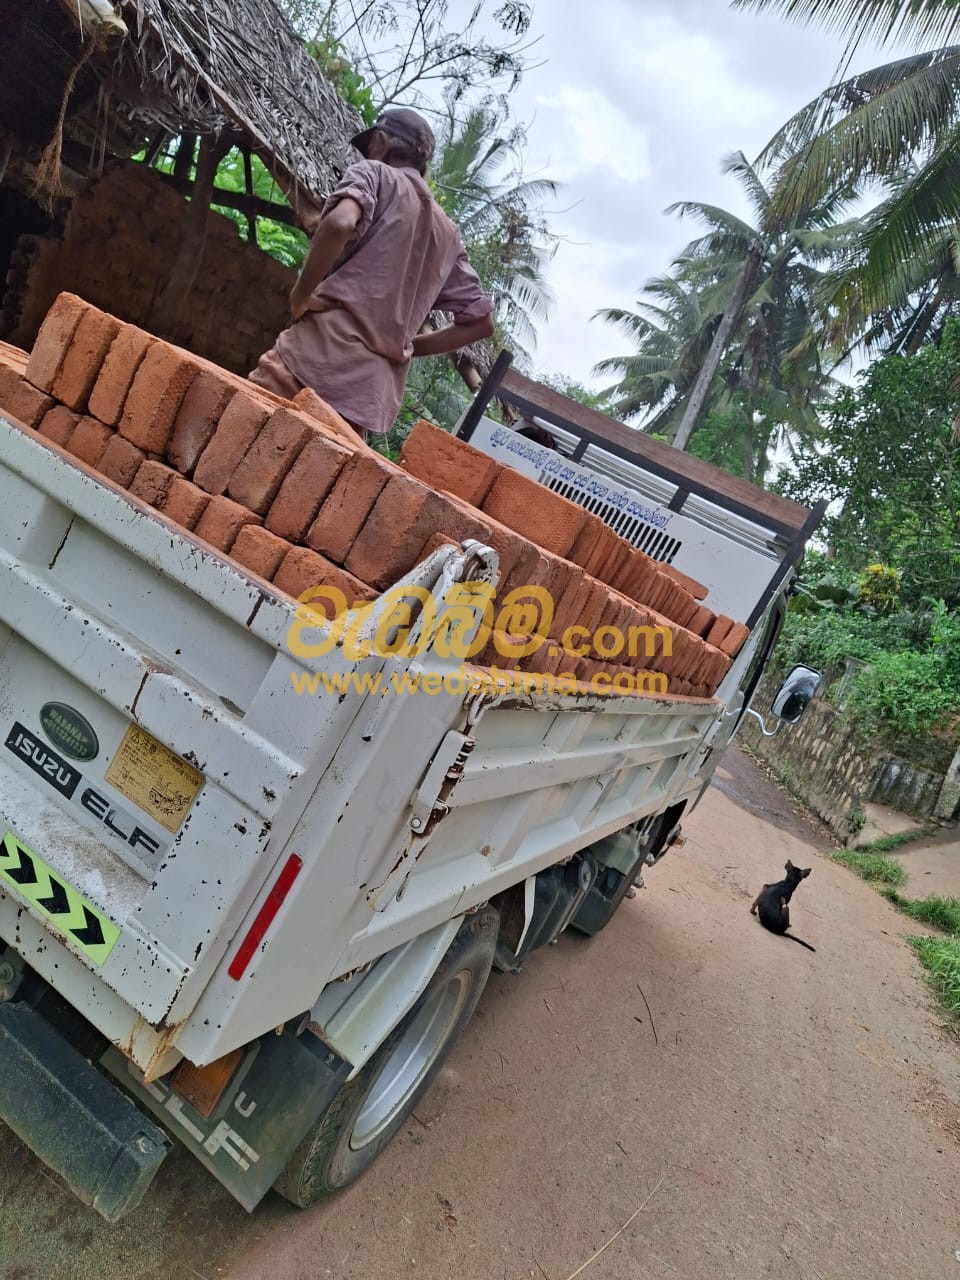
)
(412, 1057)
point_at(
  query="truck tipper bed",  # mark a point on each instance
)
(260, 851)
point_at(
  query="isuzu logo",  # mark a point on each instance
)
(69, 730)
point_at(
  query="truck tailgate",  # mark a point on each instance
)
(149, 772)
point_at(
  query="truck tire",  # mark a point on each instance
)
(369, 1110)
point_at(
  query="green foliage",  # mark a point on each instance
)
(890, 458)
(941, 959)
(478, 182)
(757, 280)
(336, 65)
(904, 693)
(878, 587)
(872, 867)
(856, 821)
(910, 682)
(576, 391)
(287, 244)
(940, 913)
(886, 844)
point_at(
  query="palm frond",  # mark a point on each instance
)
(882, 20)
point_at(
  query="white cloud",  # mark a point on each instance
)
(592, 133)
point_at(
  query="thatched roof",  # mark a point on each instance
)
(231, 67)
(203, 65)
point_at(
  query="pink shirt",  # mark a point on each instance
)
(407, 260)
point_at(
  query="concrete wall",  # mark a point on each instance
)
(821, 762)
(116, 247)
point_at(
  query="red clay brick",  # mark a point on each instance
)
(606, 550)
(702, 621)
(345, 510)
(15, 357)
(695, 588)
(117, 373)
(305, 487)
(53, 340)
(732, 642)
(402, 518)
(531, 509)
(719, 630)
(257, 479)
(432, 544)
(239, 425)
(308, 402)
(444, 462)
(614, 564)
(585, 543)
(87, 351)
(197, 419)
(89, 440)
(222, 521)
(259, 550)
(10, 379)
(184, 503)
(58, 424)
(155, 397)
(28, 405)
(302, 568)
(120, 461)
(152, 483)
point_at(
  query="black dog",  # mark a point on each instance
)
(770, 904)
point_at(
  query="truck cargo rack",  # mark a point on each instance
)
(601, 443)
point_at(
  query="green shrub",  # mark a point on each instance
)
(878, 587)
(941, 959)
(872, 866)
(903, 693)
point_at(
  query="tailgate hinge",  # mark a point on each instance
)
(443, 772)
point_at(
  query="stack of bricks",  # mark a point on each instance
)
(291, 493)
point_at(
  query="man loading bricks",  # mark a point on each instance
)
(383, 257)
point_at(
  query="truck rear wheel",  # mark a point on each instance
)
(371, 1108)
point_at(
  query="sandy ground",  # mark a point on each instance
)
(775, 1113)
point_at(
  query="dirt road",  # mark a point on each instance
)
(776, 1113)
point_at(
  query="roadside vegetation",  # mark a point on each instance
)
(940, 956)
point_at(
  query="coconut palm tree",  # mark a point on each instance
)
(896, 126)
(671, 335)
(477, 179)
(734, 328)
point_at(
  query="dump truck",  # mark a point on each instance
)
(260, 851)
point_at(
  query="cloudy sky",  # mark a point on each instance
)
(636, 105)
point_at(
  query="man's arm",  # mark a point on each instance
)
(334, 232)
(439, 342)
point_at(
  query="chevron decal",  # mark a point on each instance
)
(79, 921)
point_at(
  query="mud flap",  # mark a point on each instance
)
(279, 1090)
(74, 1118)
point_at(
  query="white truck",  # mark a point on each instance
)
(257, 919)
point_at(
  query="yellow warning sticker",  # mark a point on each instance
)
(154, 778)
(69, 912)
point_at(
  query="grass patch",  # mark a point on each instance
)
(941, 913)
(941, 959)
(873, 867)
(887, 844)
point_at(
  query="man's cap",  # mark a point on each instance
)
(404, 125)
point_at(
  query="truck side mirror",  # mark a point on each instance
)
(791, 699)
(796, 693)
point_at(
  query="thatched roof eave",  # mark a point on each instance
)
(206, 66)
